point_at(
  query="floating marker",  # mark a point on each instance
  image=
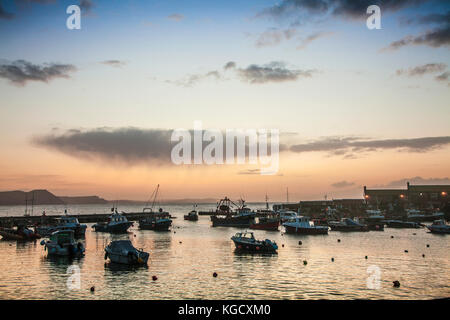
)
(92, 289)
(215, 274)
(154, 278)
(396, 284)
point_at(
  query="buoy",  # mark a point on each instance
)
(339, 240)
(428, 245)
(396, 284)
(332, 259)
(282, 245)
(215, 274)
(180, 242)
(299, 243)
(414, 234)
(305, 262)
(366, 257)
(392, 237)
(154, 278)
(423, 256)
(92, 289)
(174, 232)
(134, 235)
(406, 251)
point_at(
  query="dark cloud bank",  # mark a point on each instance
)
(20, 72)
(135, 145)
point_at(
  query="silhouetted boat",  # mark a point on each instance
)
(402, 224)
(20, 233)
(191, 216)
(65, 222)
(123, 251)
(62, 243)
(266, 223)
(439, 226)
(240, 220)
(116, 223)
(347, 225)
(245, 241)
(158, 221)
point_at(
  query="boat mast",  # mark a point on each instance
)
(154, 199)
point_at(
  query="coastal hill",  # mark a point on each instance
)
(38, 197)
(45, 197)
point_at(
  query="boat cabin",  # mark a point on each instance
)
(245, 235)
(62, 236)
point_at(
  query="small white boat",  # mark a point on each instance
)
(302, 225)
(439, 226)
(62, 243)
(123, 251)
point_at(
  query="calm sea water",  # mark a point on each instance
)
(185, 259)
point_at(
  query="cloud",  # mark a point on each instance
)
(5, 15)
(114, 63)
(418, 181)
(271, 72)
(353, 145)
(230, 65)
(122, 145)
(423, 69)
(432, 18)
(355, 9)
(443, 77)
(176, 17)
(274, 36)
(434, 38)
(313, 37)
(193, 79)
(86, 6)
(342, 184)
(21, 71)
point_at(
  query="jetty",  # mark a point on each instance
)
(10, 221)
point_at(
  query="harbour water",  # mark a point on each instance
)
(185, 259)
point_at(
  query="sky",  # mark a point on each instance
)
(90, 111)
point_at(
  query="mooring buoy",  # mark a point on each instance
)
(154, 278)
(215, 274)
(396, 283)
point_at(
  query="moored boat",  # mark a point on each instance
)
(286, 215)
(123, 251)
(439, 226)
(116, 223)
(245, 241)
(20, 233)
(65, 222)
(347, 225)
(402, 224)
(158, 221)
(62, 243)
(240, 220)
(192, 215)
(266, 223)
(303, 225)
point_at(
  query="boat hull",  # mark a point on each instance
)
(191, 218)
(438, 230)
(8, 236)
(349, 228)
(402, 225)
(113, 228)
(121, 259)
(269, 226)
(300, 230)
(155, 225)
(236, 222)
(66, 250)
(253, 247)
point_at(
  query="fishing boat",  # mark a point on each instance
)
(266, 223)
(62, 243)
(20, 233)
(439, 226)
(347, 225)
(117, 223)
(303, 225)
(245, 241)
(239, 220)
(123, 251)
(191, 216)
(65, 222)
(158, 221)
(402, 224)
